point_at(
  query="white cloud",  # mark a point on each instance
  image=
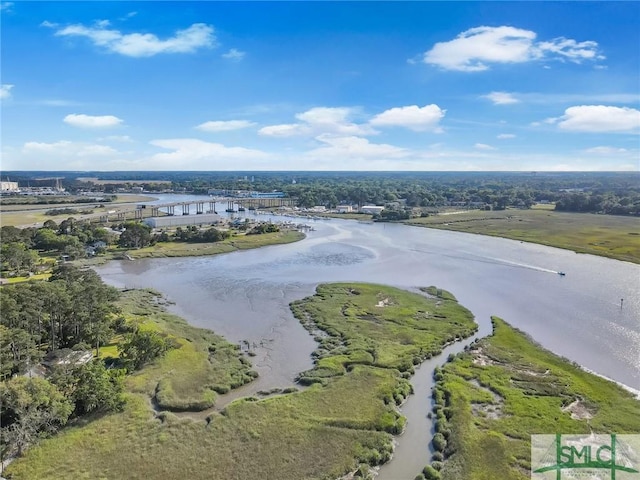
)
(569, 49)
(198, 35)
(412, 117)
(5, 6)
(505, 136)
(602, 150)
(198, 154)
(90, 121)
(334, 120)
(501, 98)
(353, 148)
(66, 148)
(475, 49)
(599, 118)
(5, 91)
(483, 146)
(320, 120)
(224, 126)
(284, 130)
(234, 55)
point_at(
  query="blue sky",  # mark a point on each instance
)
(320, 85)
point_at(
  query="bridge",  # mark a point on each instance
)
(233, 204)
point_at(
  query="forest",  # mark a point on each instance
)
(616, 193)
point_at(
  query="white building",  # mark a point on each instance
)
(172, 221)
(344, 209)
(7, 187)
(371, 209)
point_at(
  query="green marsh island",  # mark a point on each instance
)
(490, 399)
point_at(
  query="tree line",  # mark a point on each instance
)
(72, 312)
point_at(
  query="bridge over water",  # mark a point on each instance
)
(233, 204)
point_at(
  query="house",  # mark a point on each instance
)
(371, 209)
(344, 209)
(67, 357)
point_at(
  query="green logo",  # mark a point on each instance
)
(597, 457)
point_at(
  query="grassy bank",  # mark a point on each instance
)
(606, 235)
(236, 242)
(187, 377)
(490, 399)
(340, 422)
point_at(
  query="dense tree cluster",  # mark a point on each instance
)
(196, 235)
(263, 228)
(607, 203)
(20, 246)
(73, 310)
(74, 307)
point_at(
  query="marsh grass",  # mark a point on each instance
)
(611, 236)
(236, 242)
(492, 398)
(321, 432)
(186, 377)
(378, 325)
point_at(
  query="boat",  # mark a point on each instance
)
(562, 274)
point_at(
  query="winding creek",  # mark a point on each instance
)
(245, 296)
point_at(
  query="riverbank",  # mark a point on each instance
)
(491, 398)
(342, 423)
(616, 237)
(196, 249)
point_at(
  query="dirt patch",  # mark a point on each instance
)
(578, 410)
(492, 410)
(479, 358)
(383, 303)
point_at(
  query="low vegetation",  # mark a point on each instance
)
(610, 236)
(196, 365)
(342, 423)
(491, 398)
(230, 244)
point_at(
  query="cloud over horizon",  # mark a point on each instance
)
(599, 118)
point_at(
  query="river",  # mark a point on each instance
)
(245, 295)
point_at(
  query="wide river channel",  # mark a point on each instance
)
(245, 295)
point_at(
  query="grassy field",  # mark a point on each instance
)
(490, 399)
(335, 426)
(29, 213)
(237, 242)
(607, 235)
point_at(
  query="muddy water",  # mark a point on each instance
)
(245, 296)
